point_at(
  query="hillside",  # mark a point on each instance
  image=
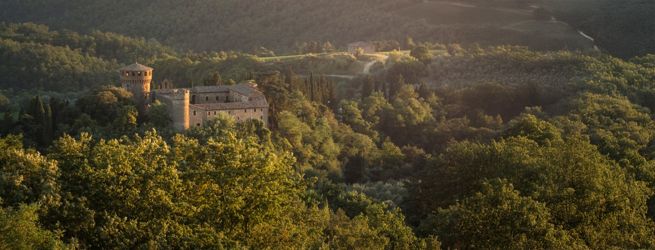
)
(624, 28)
(45, 59)
(211, 25)
(435, 147)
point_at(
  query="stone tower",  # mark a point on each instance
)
(136, 78)
(177, 101)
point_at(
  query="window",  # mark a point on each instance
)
(206, 98)
(198, 124)
(254, 110)
(214, 112)
(209, 113)
(245, 111)
(216, 98)
(133, 74)
(194, 112)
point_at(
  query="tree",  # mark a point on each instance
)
(28, 177)
(409, 43)
(19, 229)
(4, 103)
(499, 217)
(422, 54)
(564, 174)
(368, 86)
(158, 115)
(210, 194)
(214, 80)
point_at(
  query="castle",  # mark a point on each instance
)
(193, 106)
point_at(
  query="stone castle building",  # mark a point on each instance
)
(193, 106)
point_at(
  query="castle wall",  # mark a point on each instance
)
(177, 103)
(197, 116)
(200, 115)
(193, 107)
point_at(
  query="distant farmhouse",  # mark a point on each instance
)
(193, 106)
(363, 47)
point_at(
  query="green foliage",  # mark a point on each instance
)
(586, 194)
(419, 149)
(19, 229)
(623, 28)
(106, 104)
(507, 220)
(225, 187)
(27, 177)
(621, 129)
(422, 54)
(158, 115)
(43, 66)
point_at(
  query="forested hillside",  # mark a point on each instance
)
(34, 57)
(442, 146)
(246, 25)
(624, 28)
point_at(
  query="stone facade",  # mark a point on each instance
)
(136, 78)
(193, 106)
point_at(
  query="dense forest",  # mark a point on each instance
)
(247, 25)
(625, 28)
(447, 146)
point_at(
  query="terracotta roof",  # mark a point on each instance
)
(136, 67)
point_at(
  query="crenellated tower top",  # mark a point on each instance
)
(136, 78)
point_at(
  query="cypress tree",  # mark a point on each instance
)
(423, 91)
(47, 131)
(368, 86)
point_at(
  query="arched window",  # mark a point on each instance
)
(194, 112)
